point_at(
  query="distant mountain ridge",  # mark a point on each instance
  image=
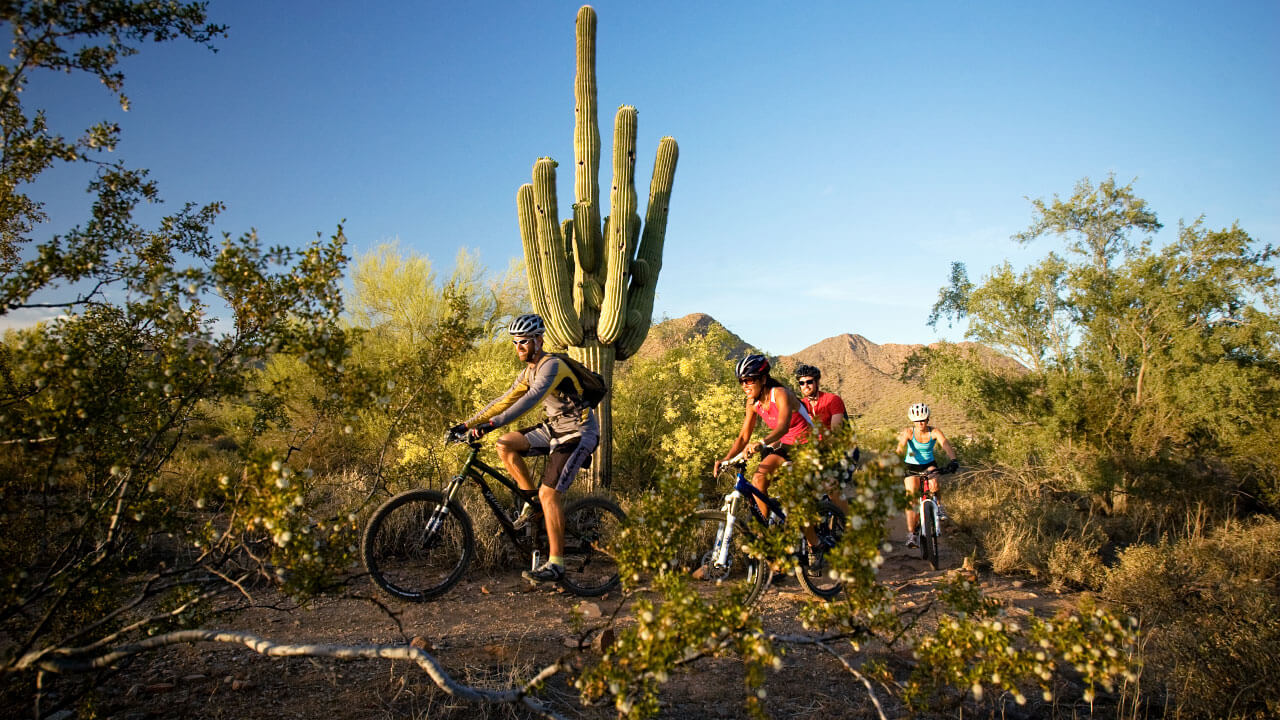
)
(864, 374)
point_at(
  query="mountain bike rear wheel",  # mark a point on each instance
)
(404, 558)
(929, 535)
(817, 578)
(591, 529)
(740, 574)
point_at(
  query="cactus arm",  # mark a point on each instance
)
(586, 145)
(648, 262)
(619, 245)
(532, 264)
(553, 257)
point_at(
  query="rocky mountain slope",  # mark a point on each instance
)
(865, 374)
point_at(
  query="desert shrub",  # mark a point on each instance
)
(1074, 562)
(1208, 603)
(1019, 523)
(974, 647)
(674, 414)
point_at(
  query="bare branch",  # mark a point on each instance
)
(61, 660)
(867, 683)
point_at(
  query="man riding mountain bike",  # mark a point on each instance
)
(567, 437)
(824, 407)
(827, 410)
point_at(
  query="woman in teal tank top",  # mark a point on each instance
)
(918, 442)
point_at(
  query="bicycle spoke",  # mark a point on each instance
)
(591, 528)
(409, 559)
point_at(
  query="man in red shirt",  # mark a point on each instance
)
(828, 413)
(824, 407)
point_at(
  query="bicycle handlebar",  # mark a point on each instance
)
(450, 437)
(947, 470)
(739, 461)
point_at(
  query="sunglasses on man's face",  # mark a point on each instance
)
(808, 382)
(521, 341)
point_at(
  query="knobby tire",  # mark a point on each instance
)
(400, 557)
(744, 575)
(929, 535)
(830, 528)
(591, 529)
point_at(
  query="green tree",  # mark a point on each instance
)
(433, 351)
(106, 538)
(1155, 368)
(676, 413)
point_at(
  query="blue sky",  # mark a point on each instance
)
(835, 157)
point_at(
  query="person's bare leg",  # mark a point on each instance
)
(511, 449)
(553, 512)
(913, 487)
(764, 476)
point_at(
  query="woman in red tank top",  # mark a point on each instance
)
(772, 401)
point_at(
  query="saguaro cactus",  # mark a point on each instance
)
(593, 280)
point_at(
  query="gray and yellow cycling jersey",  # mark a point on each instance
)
(550, 382)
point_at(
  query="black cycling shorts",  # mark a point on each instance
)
(565, 457)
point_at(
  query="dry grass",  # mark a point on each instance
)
(1203, 584)
(1208, 601)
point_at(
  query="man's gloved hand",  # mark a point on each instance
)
(457, 432)
(481, 430)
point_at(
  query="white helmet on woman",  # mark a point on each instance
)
(918, 412)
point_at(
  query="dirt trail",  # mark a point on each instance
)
(491, 631)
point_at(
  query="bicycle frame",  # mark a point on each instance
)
(743, 488)
(926, 496)
(930, 528)
(475, 470)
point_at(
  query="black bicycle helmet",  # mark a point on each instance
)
(753, 366)
(527, 325)
(808, 371)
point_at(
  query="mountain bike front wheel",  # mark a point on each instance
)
(738, 574)
(929, 534)
(409, 559)
(817, 577)
(591, 529)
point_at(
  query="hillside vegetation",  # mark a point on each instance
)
(867, 376)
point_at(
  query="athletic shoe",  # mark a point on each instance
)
(913, 541)
(817, 557)
(546, 573)
(942, 514)
(528, 516)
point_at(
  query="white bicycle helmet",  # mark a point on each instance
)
(918, 412)
(527, 325)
